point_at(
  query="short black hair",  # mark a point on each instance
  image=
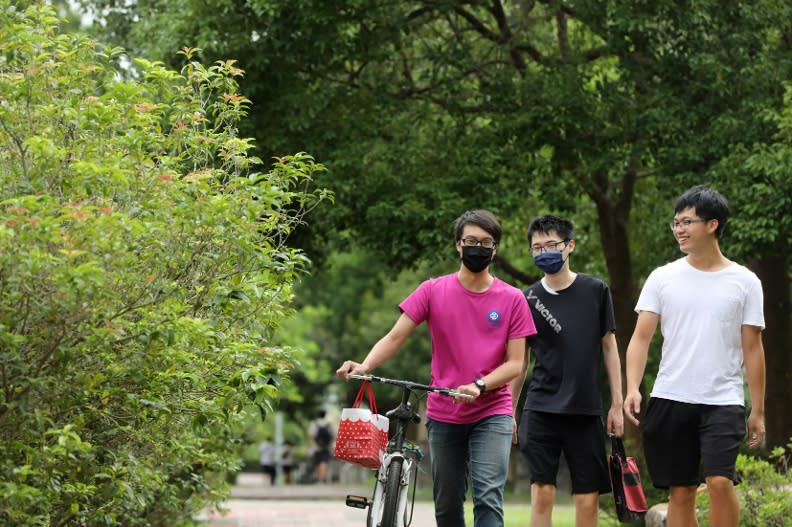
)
(549, 222)
(481, 218)
(708, 203)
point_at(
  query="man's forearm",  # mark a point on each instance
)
(755, 373)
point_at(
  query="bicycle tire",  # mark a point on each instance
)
(392, 492)
(375, 508)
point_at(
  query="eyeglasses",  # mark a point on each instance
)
(549, 247)
(487, 243)
(687, 222)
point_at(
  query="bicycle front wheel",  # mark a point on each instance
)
(392, 492)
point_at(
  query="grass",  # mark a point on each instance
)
(516, 515)
(517, 508)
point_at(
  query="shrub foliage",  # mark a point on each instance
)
(765, 491)
(143, 268)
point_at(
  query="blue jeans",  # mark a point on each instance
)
(479, 450)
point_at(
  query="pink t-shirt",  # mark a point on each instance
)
(469, 332)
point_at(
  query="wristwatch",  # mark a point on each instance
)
(481, 385)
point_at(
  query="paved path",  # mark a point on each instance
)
(302, 513)
(254, 503)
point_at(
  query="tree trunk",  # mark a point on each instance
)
(613, 216)
(773, 271)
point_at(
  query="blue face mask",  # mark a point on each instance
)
(550, 263)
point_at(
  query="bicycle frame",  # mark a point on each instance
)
(388, 505)
(393, 479)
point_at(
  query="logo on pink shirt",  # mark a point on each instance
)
(494, 317)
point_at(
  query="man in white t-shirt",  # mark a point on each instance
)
(711, 318)
(267, 460)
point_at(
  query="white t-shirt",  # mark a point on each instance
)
(701, 316)
(266, 452)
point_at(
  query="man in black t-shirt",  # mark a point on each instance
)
(574, 318)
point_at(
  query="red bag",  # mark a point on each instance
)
(628, 494)
(362, 433)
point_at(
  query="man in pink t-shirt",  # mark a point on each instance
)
(478, 325)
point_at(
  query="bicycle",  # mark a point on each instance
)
(388, 504)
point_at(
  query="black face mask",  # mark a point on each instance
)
(476, 258)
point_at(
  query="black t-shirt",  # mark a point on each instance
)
(568, 346)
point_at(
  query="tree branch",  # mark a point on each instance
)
(563, 34)
(532, 52)
(19, 146)
(418, 13)
(478, 25)
(502, 262)
(507, 35)
(629, 180)
(595, 53)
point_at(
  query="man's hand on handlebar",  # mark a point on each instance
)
(353, 370)
(470, 390)
(351, 367)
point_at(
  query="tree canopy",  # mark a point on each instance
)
(421, 109)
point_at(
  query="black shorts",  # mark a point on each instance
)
(543, 436)
(321, 456)
(685, 442)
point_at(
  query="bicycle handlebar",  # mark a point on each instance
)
(450, 392)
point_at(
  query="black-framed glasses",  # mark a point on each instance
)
(687, 222)
(549, 247)
(469, 241)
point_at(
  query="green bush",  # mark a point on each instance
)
(765, 491)
(143, 269)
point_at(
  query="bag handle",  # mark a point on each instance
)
(362, 392)
(617, 447)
